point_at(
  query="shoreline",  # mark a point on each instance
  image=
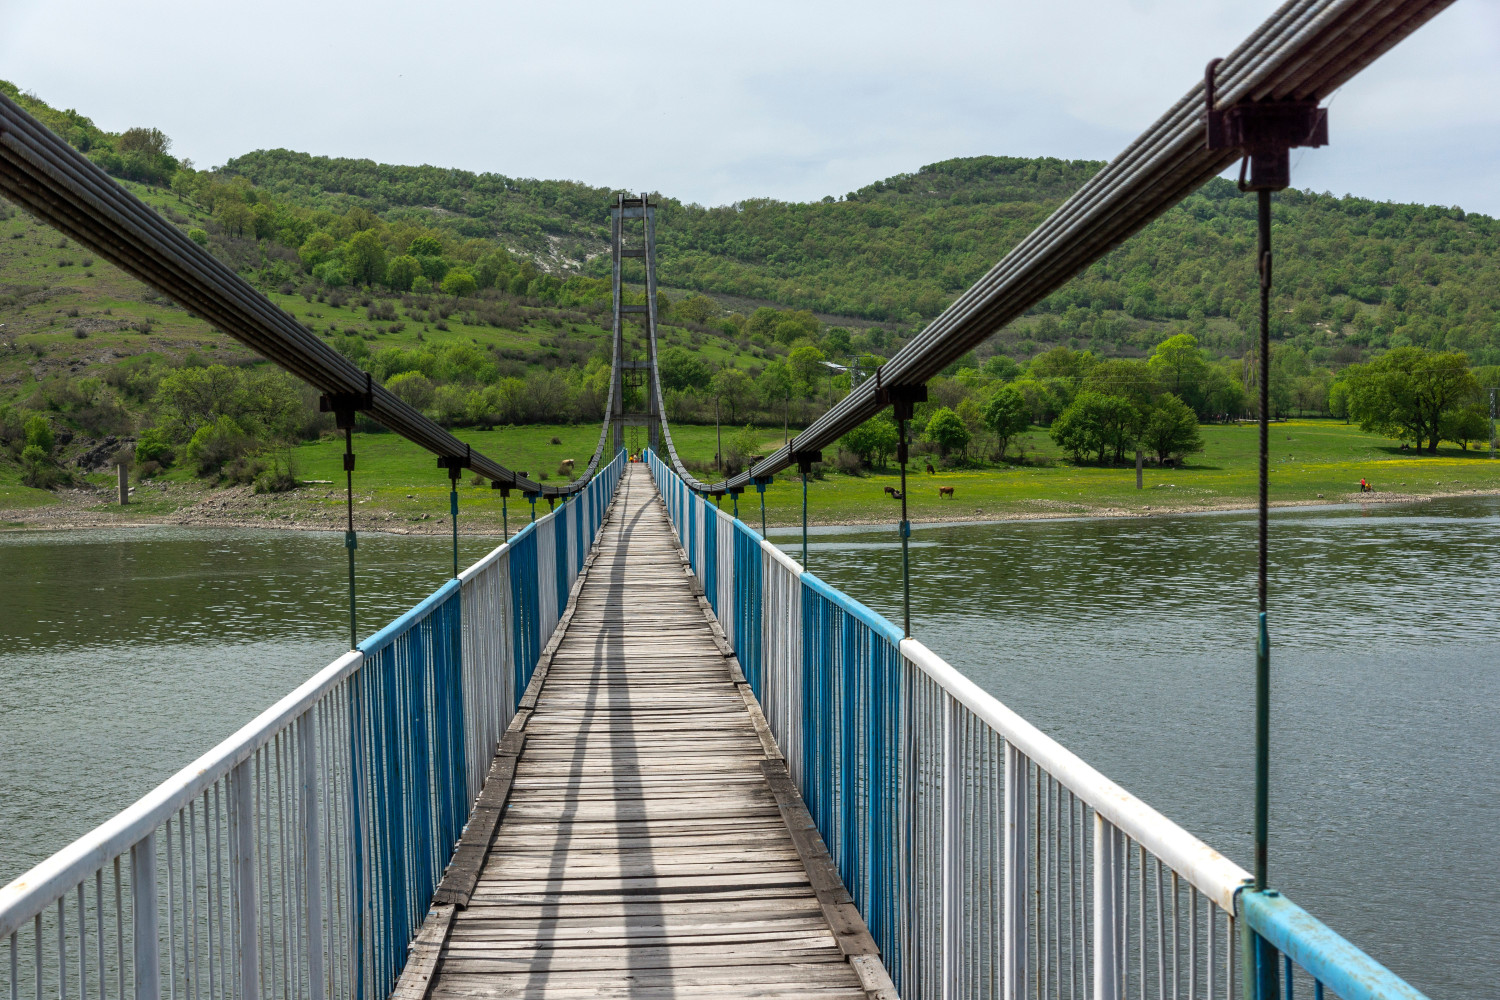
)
(76, 512)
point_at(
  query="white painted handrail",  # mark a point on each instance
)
(38, 888)
(1215, 875)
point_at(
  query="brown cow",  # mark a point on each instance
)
(944, 491)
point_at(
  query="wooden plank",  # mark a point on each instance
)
(426, 951)
(638, 847)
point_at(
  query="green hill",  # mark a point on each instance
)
(485, 297)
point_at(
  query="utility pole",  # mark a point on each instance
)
(719, 435)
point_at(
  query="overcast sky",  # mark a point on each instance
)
(713, 102)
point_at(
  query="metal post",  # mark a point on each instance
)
(1017, 871)
(453, 512)
(242, 858)
(761, 489)
(804, 519)
(1109, 910)
(143, 907)
(1138, 469)
(351, 541)
(905, 531)
(504, 515)
(1263, 657)
(531, 499)
(719, 437)
(311, 853)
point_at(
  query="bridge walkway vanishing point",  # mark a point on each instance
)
(643, 850)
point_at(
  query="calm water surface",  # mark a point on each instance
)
(1132, 643)
(124, 654)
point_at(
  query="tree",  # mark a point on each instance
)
(425, 246)
(774, 385)
(234, 216)
(806, 364)
(1338, 400)
(1007, 415)
(946, 430)
(732, 387)
(1171, 429)
(1097, 424)
(316, 249)
(402, 271)
(1179, 367)
(999, 366)
(681, 369)
(412, 388)
(459, 283)
(364, 258)
(697, 309)
(148, 141)
(1408, 391)
(872, 441)
(1472, 423)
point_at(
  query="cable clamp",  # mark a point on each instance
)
(1265, 132)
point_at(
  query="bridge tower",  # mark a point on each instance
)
(633, 237)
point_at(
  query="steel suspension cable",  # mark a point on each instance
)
(56, 183)
(1304, 51)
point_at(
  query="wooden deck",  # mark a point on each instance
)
(646, 846)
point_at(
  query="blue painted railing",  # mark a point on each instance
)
(987, 859)
(298, 857)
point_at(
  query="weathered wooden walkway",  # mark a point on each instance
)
(650, 844)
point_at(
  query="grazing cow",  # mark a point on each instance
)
(930, 470)
(565, 468)
(895, 493)
(944, 491)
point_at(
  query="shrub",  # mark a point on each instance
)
(153, 447)
(275, 480)
(421, 284)
(147, 470)
(39, 435)
(215, 445)
(198, 236)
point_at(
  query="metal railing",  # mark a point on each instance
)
(298, 857)
(987, 859)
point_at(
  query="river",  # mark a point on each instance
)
(125, 653)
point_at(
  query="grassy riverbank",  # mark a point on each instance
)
(398, 486)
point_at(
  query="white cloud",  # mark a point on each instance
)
(712, 102)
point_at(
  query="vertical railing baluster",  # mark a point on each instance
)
(1017, 887)
(951, 894)
(144, 919)
(1109, 909)
(311, 852)
(242, 865)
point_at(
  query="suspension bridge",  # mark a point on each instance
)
(637, 750)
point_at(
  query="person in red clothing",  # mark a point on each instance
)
(1364, 487)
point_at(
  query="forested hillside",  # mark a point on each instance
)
(483, 300)
(1352, 274)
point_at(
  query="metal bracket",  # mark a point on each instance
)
(901, 398)
(805, 460)
(1266, 132)
(454, 465)
(504, 488)
(343, 405)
